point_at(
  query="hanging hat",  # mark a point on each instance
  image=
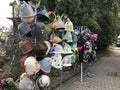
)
(26, 46)
(38, 30)
(54, 38)
(68, 37)
(67, 49)
(43, 15)
(48, 45)
(56, 61)
(69, 25)
(22, 60)
(43, 81)
(26, 10)
(31, 65)
(58, 23)
(23, 29)
(25, 82)
(95, 36)
(46, 64)
(66, 61)
(41, 49)
(58, 49)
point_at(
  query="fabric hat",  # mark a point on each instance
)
(56, 61)
(38, 30)
(69, 25)
(95, 36)
(48, 45)
(23, 29)
(46, 64)
(67, 48)
(26, 46)
(22, 60)
(25, 83)
(66, 61)
(41, 49)
(54, 38)
(26, 10)
(31, 65)
(57, 23)
(58, 49)
(68, 36)
(43, 15)
(43, 81)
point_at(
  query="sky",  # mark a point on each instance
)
(5, 11)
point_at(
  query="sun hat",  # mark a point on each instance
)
(67, 48)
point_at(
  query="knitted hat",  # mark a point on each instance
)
(26, 10)
(46, 64)
(31, 65)
(43, 81)
(23, 29)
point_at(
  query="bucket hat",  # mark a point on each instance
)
(26, 10)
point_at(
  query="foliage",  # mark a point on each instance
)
(101, 17)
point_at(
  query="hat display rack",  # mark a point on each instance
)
(63, 37)
(89, 51)
(35, 51)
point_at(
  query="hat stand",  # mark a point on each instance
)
(61, 76)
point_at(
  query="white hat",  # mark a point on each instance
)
(25, 83)
(56, 61)
(46, 64)
(31, 65)
(43, 81)
(26, 10)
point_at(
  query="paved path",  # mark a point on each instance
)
(107, 75)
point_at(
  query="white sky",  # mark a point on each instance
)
(5, 11)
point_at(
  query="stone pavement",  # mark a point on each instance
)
(107, 75)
